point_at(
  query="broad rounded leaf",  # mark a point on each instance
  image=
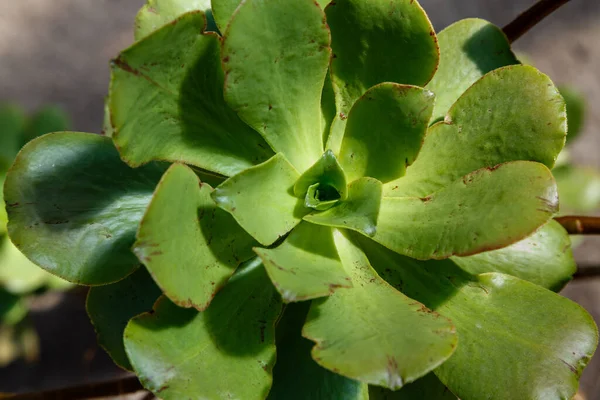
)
(517, 340)
(544, 258)
(157, 13)
(296, 375)
(275, 70)
(373, 42)
(385, 131)
(578, 189)
(224, 352)
(270, 187)
(110, 307)
(427, 388)
(469, 49)
(166, 103)
(306, 265)
(74, 206)
(512, 113)
(359, 211)
(373, 333)
(190, 246)
(223, 11)
(488, 209)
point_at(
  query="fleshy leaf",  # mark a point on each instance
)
(226, 351)
(296, 375)
(427, 388)
(385, 131)
(373, 42)
(74, 206)
(110, 308)
(373, 333)
(326, 171)
(270, 187)
(544, 258)
(469, 49)
(190, 246)
(223, 11)
(306, 265)
(575, 111)
(359, 212)
(275, 71)
(157, 13)
(517, 340)
(166, 103)
(18, 275)
(488, 209)
(512, 113)
(12, 124)
(578, 189)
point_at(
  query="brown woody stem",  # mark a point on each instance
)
(578, 225)
(530, 18)
(116, 387)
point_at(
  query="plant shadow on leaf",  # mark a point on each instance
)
(202, 108)
(300, 209)
(432, 283)
(79, 188)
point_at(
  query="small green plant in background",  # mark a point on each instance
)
(315, 201)
(19, 278)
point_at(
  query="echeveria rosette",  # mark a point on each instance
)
(409, 232)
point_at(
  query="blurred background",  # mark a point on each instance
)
(57, 52)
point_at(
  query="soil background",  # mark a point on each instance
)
(57, 51)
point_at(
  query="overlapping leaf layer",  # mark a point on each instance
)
(402, 215)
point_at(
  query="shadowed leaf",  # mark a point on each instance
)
(226, 351)
(190, 246)
(74, 206)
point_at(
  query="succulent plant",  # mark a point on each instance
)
(355, 208)
(19, 277)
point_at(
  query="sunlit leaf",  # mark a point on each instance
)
(157, 13)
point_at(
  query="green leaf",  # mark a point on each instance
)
(306, 265)
(327, 107)
(578, 189)
(488, 209)
(544, 258)
(427, 388)
(275, 71)
(158, 13)
(372, 332)
(110, 308)
(296, 375)
(190, 246)
(225, 352)
(223, 11)
(327, 172)
(107, 128)
(359, 212)
(469, 49)
(166, 103)
(13, 308)
(46, 120)
(18, 275)
(373, 42)
(517, 340)
(12, 124)
(270, 187)
(74, 206)
(512, 113)
(385, 130)
(576, 109)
